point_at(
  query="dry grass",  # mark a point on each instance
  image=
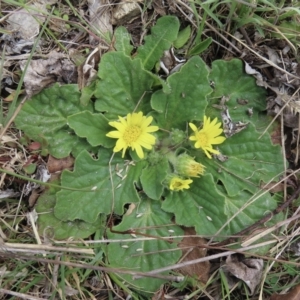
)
(36, 267)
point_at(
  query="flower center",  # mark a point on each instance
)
(177, 185)
(131, 134)
(202, 138)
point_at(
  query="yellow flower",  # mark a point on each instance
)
(133, 132)
(207, 136)
(178, 184)
(185, 165)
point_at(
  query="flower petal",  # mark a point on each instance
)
(120, 144)
(218, 140)
(151, 129)
(193, 127)
(147, 138)
(114, 134)
(147, 121)
(139, 151)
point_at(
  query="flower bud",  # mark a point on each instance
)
(177, 136)
(186, 166)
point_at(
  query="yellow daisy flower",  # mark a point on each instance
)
(207, 136)
(133, 132)
(178, 184)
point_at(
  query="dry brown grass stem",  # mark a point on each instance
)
(263, 58)
(281, 110)
(40, 249)
(19, 295)
(242, 250)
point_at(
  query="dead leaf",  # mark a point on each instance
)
(25, 21)
(191, 249)
(9, 193)
(126, 11)
(158, 7)
(24, 26)
(34, 146)
(100, 19)
(294, 294)
(248, 270)
(41, 174)
(33, 197)
(273, 187)
(57, 165)
(43, 72)
(295, 248)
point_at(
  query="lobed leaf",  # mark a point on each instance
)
(209, 209)
(152, 177)
(123, 40)
(187, 99)
(93, 127)
(145, 255)
(163, 33)
(51, 226)
(201, 206)
(124, 85)
(93, 193)
(231, 81)
(44, 119)
(252, 161)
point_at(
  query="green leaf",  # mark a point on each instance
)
(44, 119)
(200, 47)
(152, 178)
(210, 210)
(30, 168)
(246, 214)
(54, 228)
(144, 255)
(93, 193)
(201, 206)
(122, 41)
(124, 85)
(251, 162)
(230, 80)
(183, 37)
(93, 127)
(187, 99)
(87, 92)
(163, 33)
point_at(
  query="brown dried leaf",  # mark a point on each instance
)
(191, 249)
(33, 197)
(276, 135)
(100, 19)
(57, 165)
(249, 270)
(273, 187)
(34, 146)
(126, 11)
(294, 294)
(24, 23)
(43, 72)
